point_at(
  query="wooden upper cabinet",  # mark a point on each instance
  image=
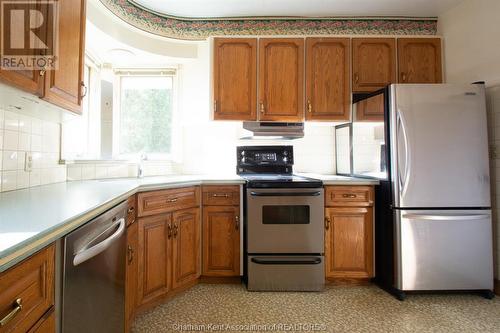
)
(327, 79)
(153, 276)
(281, 79)
(235, 79)
(370, 109)
(27, 80)
(221, 241)
(373, 63)
(419, 60)
(64, 86)
(186, 246)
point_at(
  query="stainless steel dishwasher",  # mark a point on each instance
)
(93, 284)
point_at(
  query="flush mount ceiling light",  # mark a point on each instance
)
(119, 54)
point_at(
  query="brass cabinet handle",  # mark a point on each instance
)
(352, 196)
(403, 76)
(169, 231)
(172, 200)
(42, 71)
(176, 228)
(262, 108)
(356, 78)
(18, 306)
(327, 222)
(215, 195)
(309, 106)
(237, 220)
(84, 89)
(215, 105)
(130, 254)
(131, 210)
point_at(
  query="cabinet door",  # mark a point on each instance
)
(349, 242)
(235, 78)
(152, 259)
(186, 246)
(370, 109)
(221, 241)
(419, 60)
(327, 79)
(131, 274)
(64, 86)
(373, 63)
(27, 80)
(281, 79)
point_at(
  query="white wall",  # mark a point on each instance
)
(472, 53)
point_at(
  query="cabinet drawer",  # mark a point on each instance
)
(339, 196)
(157, 202)
(27, 291)
(221, 195)
(131, 209)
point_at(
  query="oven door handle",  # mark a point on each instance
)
(294, 261)
(285, 194)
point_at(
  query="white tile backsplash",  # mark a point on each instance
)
(21, 134)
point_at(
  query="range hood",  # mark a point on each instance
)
(270, 130)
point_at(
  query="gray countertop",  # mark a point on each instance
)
(30, 219)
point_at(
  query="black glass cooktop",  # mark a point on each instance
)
(280, 181)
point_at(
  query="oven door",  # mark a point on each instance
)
(285, 221)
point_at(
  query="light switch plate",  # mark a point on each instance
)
(28, 162)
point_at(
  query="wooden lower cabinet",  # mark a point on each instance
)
(186, 249)
(349, 241)
(168, 255)
(47, 324)
(27, 292)
(131, 274)
(221, 241)
(153, 264)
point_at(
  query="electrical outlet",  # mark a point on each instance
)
(28, 162)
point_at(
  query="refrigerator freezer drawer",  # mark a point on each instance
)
(444, 250)
(286, 273)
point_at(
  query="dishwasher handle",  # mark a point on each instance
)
(100, 247)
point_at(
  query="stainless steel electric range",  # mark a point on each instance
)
(284, 243)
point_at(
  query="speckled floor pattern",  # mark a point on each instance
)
(230, 308)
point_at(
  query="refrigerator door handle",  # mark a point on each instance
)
(444, 217)
(403, 182)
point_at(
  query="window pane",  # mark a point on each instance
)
(146, 114)
(285, 214)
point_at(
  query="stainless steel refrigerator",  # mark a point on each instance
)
(427, 143)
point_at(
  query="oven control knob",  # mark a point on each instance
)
(243, 160)
(285, 159)
(242, 153)
(285, 153)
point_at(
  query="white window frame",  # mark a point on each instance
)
(175, 150)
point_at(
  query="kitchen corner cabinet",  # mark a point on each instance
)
(327, 79)
(349, 232)
(373, 63)
(131, 272)
(186, 246)
(169, 242)
(281, 79)
(235, 79)
(221, 231)
(63, 86)
(419, 60)
(27, 294)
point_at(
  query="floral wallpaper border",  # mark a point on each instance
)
(199, 29)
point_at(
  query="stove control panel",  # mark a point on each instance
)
(267, 157)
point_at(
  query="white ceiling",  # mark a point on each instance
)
(307, 8)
